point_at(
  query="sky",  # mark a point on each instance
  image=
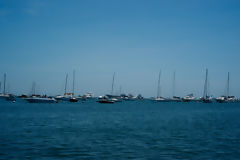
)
(43, 40)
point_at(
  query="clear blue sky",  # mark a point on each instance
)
(42, 40)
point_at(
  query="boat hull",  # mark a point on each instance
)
(73, 100)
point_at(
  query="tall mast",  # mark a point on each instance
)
(158, 89)
(228, 84)
(113, 82)
(73, 82)
(120, 90)
(4, 84)
(206, 85)
(65, 89)
(174, 79)
(0, 86)
(33, 88)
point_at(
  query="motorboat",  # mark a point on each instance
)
(221, 99)
(105, 100)
(225, 99)
(88, 95)
(189, 98)
(176, 99)
(73, 99)
(41, 100)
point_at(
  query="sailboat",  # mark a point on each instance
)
(175, 98)
(189, 98)
(206, 98)
(112, 97)
(66, 95)
(109, 98)
(34, 98)
(226, 98)
(159, 98)
(73, 99)
(4, 95)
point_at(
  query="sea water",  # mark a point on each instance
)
(126, 130)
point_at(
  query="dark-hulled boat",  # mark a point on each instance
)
(105, 101)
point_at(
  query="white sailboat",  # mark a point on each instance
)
(34, 98)
(189, 98)
(113, 97)
(226, 98)
(206, 98)
(73, 99)
(159, 98)
(67, 95)
(4, 95)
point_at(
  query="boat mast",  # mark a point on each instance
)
(4, 84)
(158, 89)
(174, 79)
(120, 90)
(113, 82)
(33, 88)
(65, 89)
(205, 85)
(228, 84)
(73, 82)
(0, 86)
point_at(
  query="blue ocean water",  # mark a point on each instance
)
(127, 130)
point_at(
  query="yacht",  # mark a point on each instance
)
(140, 97)
(88, 95)
(226, 98)
(72, 98)
(65, 97)
(104, 99)
(221, 99)
(4, 95)
(110, 98)
(159, 98)
(206, 98)
(35, 99)
(176, 99)
(232, 99)
(189, 98)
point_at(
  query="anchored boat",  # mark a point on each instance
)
(206, 98)
(41, 100)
